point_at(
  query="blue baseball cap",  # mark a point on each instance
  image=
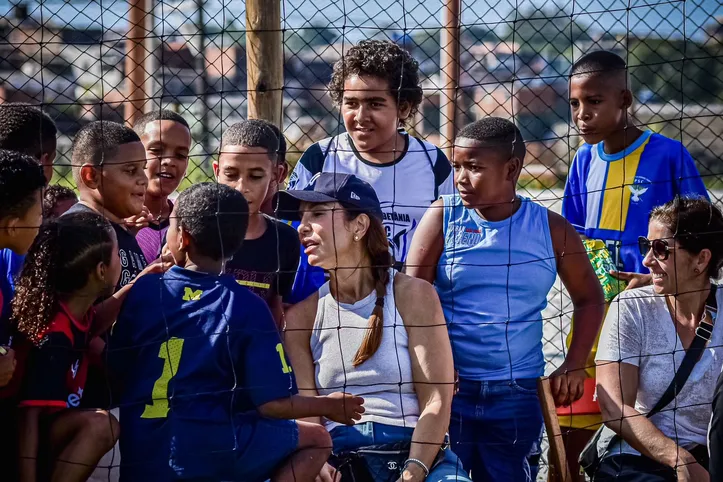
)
(346, 189)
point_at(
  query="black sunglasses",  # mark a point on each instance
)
(661, 248)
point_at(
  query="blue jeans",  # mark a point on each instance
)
(371, 433)
(496, 429)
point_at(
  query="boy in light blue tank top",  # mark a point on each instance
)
(493, 257)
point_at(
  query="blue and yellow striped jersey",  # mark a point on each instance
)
(610, 196)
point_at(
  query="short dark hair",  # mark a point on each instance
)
(54, 194)
(27, 129)
(599, 62)
(256, 133)
(697, 224)
(158, 115)
(21, 178)
(98, 140)
(215, 216)
(498, 133)
(383, 59)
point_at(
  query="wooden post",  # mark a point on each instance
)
(135, 60)
(264, 60)
(558, 469)
(449, 75)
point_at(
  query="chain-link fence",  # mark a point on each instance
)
(71, 57)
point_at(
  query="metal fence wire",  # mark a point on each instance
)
(109, 60)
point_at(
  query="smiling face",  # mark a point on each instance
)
(249, 170)
(599, 104)
(371, 114)
(167, 144)
(676, 274)
(117, 186)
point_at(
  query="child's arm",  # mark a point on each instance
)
(107, 311)
(338, 407)
(28, 443)
(271, 382)
(588, 302)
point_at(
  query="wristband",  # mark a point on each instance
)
(416, 462)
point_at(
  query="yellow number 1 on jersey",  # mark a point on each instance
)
(285, 368)
(170, 352)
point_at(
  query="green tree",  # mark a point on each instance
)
(312, 36)
(677, 70)
(549, 30)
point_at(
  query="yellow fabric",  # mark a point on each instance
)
(616, 197)
(586, 422)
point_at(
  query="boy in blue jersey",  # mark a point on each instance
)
(207, 391)
(621, 172)
(617, 177)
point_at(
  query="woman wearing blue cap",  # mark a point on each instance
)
(375, 332)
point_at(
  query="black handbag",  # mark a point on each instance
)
(377, 463)
(590, 457)
(373, 463)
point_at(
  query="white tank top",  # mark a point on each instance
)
(384, 380)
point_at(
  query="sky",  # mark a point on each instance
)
(357, 19)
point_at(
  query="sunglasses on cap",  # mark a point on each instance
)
(661, 248)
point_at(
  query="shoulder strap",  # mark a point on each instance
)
(702, 336)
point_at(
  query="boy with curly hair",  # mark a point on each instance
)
(376, 87)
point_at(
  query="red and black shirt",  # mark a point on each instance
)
(55, 372)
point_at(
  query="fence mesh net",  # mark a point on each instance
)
(514, 59)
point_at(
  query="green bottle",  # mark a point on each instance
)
(602, 263)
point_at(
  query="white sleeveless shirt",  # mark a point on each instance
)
(384, 380)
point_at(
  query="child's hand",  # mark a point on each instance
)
(7, 365)
(161, 265)
(139, 221)
(344, 408)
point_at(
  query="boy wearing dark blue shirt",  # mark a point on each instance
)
(207, 391)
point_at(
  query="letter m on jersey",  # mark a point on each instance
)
(191, 294)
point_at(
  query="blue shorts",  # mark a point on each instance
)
(270, 445)
(251, 450)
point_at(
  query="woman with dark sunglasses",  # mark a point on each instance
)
(643, 342)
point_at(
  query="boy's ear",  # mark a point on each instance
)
(404, 110)
(282, 170)
(9, 224)
(90, 176)
(184, 239)
(515, 168)
(215, 169)
(627, 99)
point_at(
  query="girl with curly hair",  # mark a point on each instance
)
(73, 262)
